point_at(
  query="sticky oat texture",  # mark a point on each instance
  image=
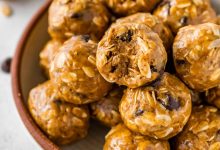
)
(160, 110)
(127, 7)
(120, 137)
(74, 72)
(196, 52)
(63, 122)
(128, 55)
(202, 130)
(154, 23)
(47, 54)
(106, 110)
(179, 13)
(213, 96)
(76, 17)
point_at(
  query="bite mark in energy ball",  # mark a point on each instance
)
(47, 54)
(120, 137)
(154, 23)
(179, 13)
(63, 122)
(213, 96)
(160, 110)
(127, 7)
(77, 17)
(106, 110)
(196, 53)
(74, 71)
(128, 55)
(201, 131)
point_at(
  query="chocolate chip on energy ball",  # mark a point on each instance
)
(76, 15)
(139, 112)
(184, 20)
(126, 37)
(6, 64)
(86, 37)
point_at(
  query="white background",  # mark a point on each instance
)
(13, 134)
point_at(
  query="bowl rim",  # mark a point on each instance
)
(27, 120)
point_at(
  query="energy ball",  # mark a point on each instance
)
(196, 52)
(63, 122)
(213, 96)
(121, 138)
(202, 130)
(47, 54)
(74, 71)
(160, 110)
(179, 13)
(127, 7)
(106, 110)
(128, 55)
(77, 17)
(154, 23)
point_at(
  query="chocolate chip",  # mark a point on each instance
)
(166, 2)
(184, 20)
(153, 68)
(57, 102)
(113, 68)
(139, 112)
(76, 15)
(126, 37)
(170, 104)
(6, 65)
(180, 62)
(86, 37)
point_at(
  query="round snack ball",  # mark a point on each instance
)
(196, 52)
(47, 54)
(76, 17)
(160, 110)
(154, 23)
(106, 110)
(74, 72)
(128, 55)
(179, 13)
(63, 122)
(127, 7)
(213, 96)
(121, 138)
(202, 130)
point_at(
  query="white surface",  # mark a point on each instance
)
(13, 134)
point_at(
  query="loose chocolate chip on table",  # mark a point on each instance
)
(6, 64)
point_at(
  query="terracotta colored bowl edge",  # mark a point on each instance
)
(29, 123)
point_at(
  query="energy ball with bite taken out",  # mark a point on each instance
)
(128, 55)
(121, 138)
(213, 96)
(196, 53)
(106, 110)
(201, 131)
(47, 54)
(127, 7)
(74, 71)
(77, 17)
(63, 122)
(179, 13)
(154, 23)
(160, 110)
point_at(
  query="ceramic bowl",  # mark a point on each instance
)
(26, 74)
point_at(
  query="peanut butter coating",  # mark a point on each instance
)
(202, 130)
(128, 55)
(160, 110)
(121, 138)
(63, 122)
(73, 70)
(196, 53)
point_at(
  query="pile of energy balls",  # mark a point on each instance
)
(149, 69)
